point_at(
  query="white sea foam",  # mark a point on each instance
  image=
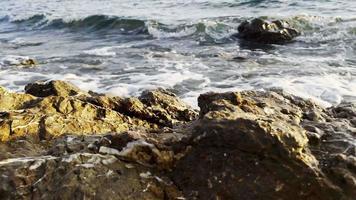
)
(19, 42)
(326, 89)
(104, 51)
(157, 33)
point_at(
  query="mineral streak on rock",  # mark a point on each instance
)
(59, 142)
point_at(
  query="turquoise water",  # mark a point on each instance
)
(124, 47)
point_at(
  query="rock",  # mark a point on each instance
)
(81, 176)
(344, 110)
(122, 166)
(246, 147)
(167, 106)
(55, 111)
(249, 145)
(243, 145)
(261, 31)
(20, 61)
(158, 106)
(51, 88)
(13, 101)
(336, 150)
(28, 62)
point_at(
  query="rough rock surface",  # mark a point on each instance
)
(253, 145)
(63, 109)
(51, 88)
(243, 145)
(261, 31)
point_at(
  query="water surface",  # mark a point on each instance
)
(124, 47)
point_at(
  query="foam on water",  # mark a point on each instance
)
(23, 42)
(157, 33)
(12, 60)
(104, 51)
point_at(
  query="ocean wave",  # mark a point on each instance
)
(214, 30)
(90, 23)
(203, 30)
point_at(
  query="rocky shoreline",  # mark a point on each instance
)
(58, 142)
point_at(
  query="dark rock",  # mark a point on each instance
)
(252, 145)
(261, 31)
(246, 147)
(81, 176)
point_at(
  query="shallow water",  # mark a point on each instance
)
(124, 47)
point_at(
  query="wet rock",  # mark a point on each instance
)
(20, 61)
(344, 110)
(335, 149)
(262, 31)
(28, 62)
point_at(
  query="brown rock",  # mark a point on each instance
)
(13, 101)
(51, 88)
(58, 112)
(250, 145)
(167, 106)
(245, 145)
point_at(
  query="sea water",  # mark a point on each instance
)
(123, 47)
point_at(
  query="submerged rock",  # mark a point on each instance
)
(243, 145)
(28, 63)
(261, 31)
(20, 61)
